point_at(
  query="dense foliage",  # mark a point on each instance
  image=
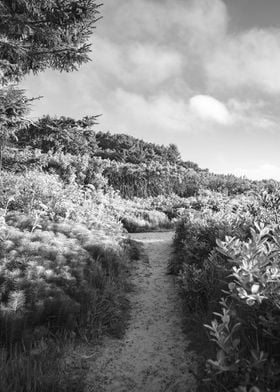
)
(36, 36)
(58, 276)
(39, 35)
(78, 137)
(74, 149)
(227, 262)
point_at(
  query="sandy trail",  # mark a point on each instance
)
(153, 356)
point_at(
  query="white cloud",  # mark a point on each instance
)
(252, 115)
(260, 172)
(136, 65)
(209, 108)
(163, 115)
(137, 114)
(153, 65)
(203, 23)
(250, 59)
(175, 22)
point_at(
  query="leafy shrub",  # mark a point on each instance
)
(196, 235)
(40, 195)
(201, 286)
(29, 192)
(222, 252)
(19, 160)
(247, 334)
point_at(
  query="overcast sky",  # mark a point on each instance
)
(203, 74)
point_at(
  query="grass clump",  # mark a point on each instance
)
(59, 276)
(63, 277)
(40, 369)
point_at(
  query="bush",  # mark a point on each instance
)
(59, 277)
(144, 220)
(40, 195)
(247, 334)
(244, 267)
(225, 260)
(196, 235)
(201, 286)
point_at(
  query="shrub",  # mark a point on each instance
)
(223, 252)
(40, 195)
(144, 220)
(201, 286)
(196, 235)
(59, 276)
(247, 334)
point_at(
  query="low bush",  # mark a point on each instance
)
(63, 275)
(197, 231)
(44, 196)
(58, 281)
(246, 332)
(145, 220)
(59, 276)
(228, 264)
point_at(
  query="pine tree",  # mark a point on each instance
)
(60, 134)
(36, 35)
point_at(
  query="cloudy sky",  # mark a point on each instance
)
(203, 74)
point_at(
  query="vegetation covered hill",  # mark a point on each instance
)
(68, 196)
(74, 150)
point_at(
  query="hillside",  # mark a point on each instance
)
(73, 149)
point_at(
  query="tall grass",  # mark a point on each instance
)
(63, 275)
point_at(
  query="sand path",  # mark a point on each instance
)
(153, 356)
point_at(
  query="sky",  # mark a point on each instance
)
(203, 74)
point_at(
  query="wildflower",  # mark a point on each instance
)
(255, 288)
